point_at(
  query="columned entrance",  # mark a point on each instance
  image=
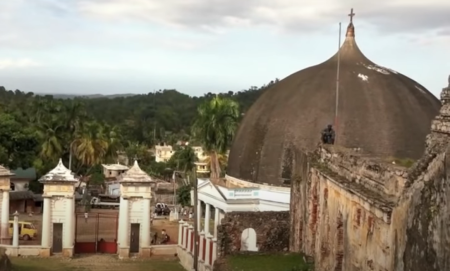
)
(96, 233)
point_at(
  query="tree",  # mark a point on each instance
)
(184, 195)
(90, 145)
(184, 159)
(18, 143)
(215, 127)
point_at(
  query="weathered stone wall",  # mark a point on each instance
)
(272, 231)
(354, 213)
(426, 203)
(341, 210)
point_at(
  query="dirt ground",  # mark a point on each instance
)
(95, 262)
(106, 220)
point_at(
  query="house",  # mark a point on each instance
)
(163, 152)
(114, 170)
(21, 199)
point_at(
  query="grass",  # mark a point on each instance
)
(94, 262)
(275, 262)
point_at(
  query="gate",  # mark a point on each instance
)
(97, 233)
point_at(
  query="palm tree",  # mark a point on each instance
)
(184, 159)
(215, 128)
(90, 144)
(51, 133)
(114, 138)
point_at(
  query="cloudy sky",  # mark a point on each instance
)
(199, 46)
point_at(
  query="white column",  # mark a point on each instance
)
(214, 252)
(208, 249)
(207, 217)
(68, 238)
(185, 235)
(46, 222)
(146, 224)
(201, 247)
(180, 232)
(199, 216)
(123, 223)
(15, 242)
(5, 217)
(216, 220)
(190, 241)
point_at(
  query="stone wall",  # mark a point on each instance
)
(272, 231)
(352, 212)
(341, 206)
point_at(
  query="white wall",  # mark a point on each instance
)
(20, 185)
(59, 208)
(135, 209)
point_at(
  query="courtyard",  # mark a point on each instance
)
(95, 262)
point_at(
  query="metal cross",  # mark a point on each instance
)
(351, 15)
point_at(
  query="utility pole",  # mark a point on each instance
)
(196, 214)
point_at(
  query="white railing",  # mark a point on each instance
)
(186, 244)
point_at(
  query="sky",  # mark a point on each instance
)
(200, 46)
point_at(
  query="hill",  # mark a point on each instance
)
(92, 96)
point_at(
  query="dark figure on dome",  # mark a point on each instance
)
(328, 135)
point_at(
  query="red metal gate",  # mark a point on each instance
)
(97, 233)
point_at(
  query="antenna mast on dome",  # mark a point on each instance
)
(337, 84)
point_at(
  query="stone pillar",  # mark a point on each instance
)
(199, 216)
(146, 224)
(208, 249)
(216, 220)
(15, 242)
(180, 233)
(46, 223)
(207, 217)
(124, 246)
(5, 238)
(68, 238)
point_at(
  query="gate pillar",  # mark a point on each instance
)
(135, 198)
(59, 209)
(5, 185)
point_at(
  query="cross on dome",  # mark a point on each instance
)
(351, 15)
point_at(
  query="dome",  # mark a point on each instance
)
(380, 111)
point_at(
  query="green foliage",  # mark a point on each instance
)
(184, 195)
(39, 130)
(267, 262)
(183, 159)
(215, 127)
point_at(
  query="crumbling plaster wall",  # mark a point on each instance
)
(272, 231)
(341, 209)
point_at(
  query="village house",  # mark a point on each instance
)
(114, 170)
(163, 153)
(21, 199)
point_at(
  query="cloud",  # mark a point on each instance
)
(394, 16)
(43, 24)
(17, 63)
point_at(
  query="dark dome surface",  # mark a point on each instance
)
(380, 111)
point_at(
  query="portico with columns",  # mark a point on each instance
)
(58, 218)
(134, 215)
(5, 186)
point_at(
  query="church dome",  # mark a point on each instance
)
(381, 111)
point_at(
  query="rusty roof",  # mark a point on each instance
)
(381, 111)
